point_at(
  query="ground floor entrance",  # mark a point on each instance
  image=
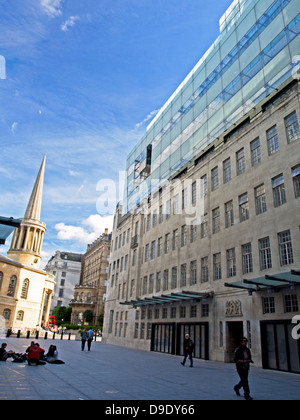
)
(280, 350)
(169, 338)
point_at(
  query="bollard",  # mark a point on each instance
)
(53, 336)
(36, 335)
(46, 335)
(69, 336)
(8, 334)
(62, 334)
(28, 334)
(18, 333)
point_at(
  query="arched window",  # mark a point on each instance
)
(20, 316)
(12, 286)
(88, 297)
(25, 287)
(1, 279)
(6, 314)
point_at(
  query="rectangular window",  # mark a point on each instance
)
(193, 231)
(278, 190)
(265, 253)
(260, 199)
(204, 225)
(240, 162)
(174, 277)
(183, 275)
(243, 207)
(226, 170)
(214, 179)
(193, 278)
(194, 192)
(272, 139)
(203, 185)
(167, 243)
(291, 303)
(231, 262)
(153, 246)
(268, 305)
(204, 269)
(296, 180)
(285, 248)
(292, 127)
(175, 239)
(166, 280)
(183, 235)
(158, 281)
(255, 151)
(216, 220)
(247, 258)
(217, 266)
(229, 220)
(159, 247)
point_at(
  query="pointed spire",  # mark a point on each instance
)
(34, 207)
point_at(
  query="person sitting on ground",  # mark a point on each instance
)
(35, 355)
(52, 356)
(4, 355)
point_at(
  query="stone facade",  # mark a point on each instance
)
(89, 294)
(231, 213)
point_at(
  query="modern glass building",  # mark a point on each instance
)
(256, 51)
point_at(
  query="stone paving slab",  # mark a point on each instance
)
(113, 373)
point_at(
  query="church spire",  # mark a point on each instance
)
(27, 240)
(34, 207)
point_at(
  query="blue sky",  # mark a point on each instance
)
(83, 79)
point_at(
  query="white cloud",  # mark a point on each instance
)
(13, 127)
(51, 7)
(149, 116)
(92, 228)
(69, 23)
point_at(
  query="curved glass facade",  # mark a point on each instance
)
(252, 56)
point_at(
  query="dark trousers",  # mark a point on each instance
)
(89, 343)
(186, 354)
(243, 374)
(83, 340)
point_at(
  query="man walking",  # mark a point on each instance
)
(242, 358)
(188, 348)
(90, 338)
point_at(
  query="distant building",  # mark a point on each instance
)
(89, 294)
(25, 289)
(66, 267)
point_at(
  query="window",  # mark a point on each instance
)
(247, 258)
(193, 279)
(134, 257)
(6, 314)
(182, 311)
(166, 280)
(175, 205)
(243, 207)
(25, 287)
(184, 198)
(205, 310)
(268, 305)
(151, 283)
(154, 219)
(147, 253)
(260, 199)
(167, 243)
(153, 246)
(174, 277)
(168, 210)
(183, 275)
(148, 221)
(272, 139)
(231, 262)
(226, 170)
(145, 285)
(278, 190)
(285, 248)
(216, 220)
(175, 239)
(158, 281)
(229, 220)
(296, 181)
(193, 311)
(291, 303)
(203, 185)
(240, 162)
(183, 235)
(61, 293)
(292, 127)
(217, 275)
(161, 214)
(12, 286)
(265, 253)
(255, 151)
(193, 232)
(159, 247)
(20, 316)
(194, 192)
(204, 225)
(204, 269)
(214, 179)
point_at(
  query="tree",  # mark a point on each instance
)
(62, 313)
(88, 316)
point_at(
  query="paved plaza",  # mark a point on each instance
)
(114, 373)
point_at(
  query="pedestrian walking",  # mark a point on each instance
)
(84, 337)
(188, 348)
(242, 358)
(90, 338)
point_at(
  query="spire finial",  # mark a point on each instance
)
(34, 207)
